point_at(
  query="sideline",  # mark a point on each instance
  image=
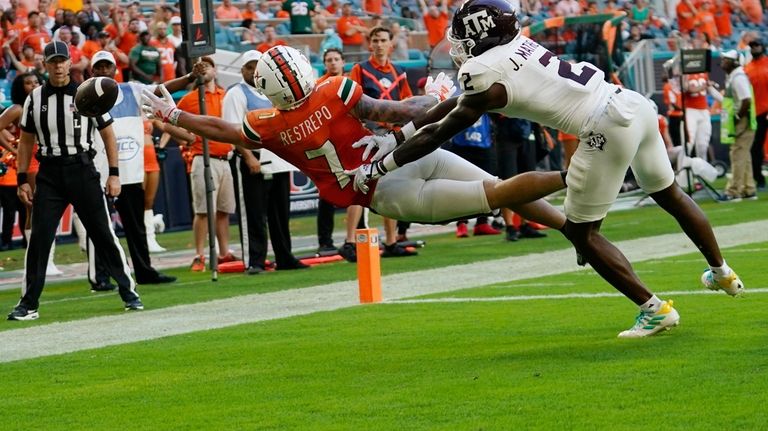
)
(73, 336)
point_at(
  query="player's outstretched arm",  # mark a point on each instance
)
(466, 112)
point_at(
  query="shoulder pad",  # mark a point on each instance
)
(475, 77)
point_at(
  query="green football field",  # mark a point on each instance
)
(455, 346)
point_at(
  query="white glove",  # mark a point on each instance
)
(366, 173)
(383, 143)
(163, 109)
(442, 87)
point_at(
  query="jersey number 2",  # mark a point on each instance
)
(564, 69)
(328, 151)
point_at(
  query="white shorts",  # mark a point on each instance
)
(626, 135)
(223, 186)
(439, 187)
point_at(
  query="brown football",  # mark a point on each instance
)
(96, 96)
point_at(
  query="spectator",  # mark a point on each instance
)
(70, 21)
(167, 51)
(672, 99)
(145, 61)
(79, 63)
(301, 12)
(47, 14)
(264, 182)
(263, 12)
(686, 16)
(705, 21)
(351, 29)
(376, 7)
(757, 70)
(722, 10)
(270, 39)
(223, 193)
(640, 14)
(753, 10)
(34, 34)
(331, 41)
(381, 79)
(531, 7)
(251, 34)
(436, 20)
(401, 39)
(738, 124)
(568, 8)
(228, 11)
(334, 7)
(175, 36)
(250, 10)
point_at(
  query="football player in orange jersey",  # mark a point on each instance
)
(314, 126)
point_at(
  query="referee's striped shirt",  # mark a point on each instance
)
(49, 113)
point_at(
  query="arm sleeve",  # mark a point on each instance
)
(27, 121)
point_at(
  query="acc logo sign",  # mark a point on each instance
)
(478, 24)
(128, 148)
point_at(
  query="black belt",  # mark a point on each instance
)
(225, 158)
(79, 158)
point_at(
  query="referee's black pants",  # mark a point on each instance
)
(130, 206)
(267, 204)
(326, 212)
(60, 183)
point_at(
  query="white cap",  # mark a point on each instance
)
(249, 56)
(103, 55)
(175, 20)
(732, 54)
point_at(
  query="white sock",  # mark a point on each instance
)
(651, 305)
(721, 271)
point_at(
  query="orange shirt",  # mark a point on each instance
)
(706, 24)
(167, 63)
(671, 99)
(374, 7)
(248, 14)
(317, 138)
(35, 38)
(757, 71)
(696, 100)
(436, 27)
(231, 12)
(128, 41)
(9, 179)
(90, 47)
(685, 25)
(342, 26)
(264, 46)
(213, 101)
(754, 10)
(722, 11)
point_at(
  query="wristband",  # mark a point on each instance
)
(21, 178)
(174, 117)
(408, 130)
(113, 171)
(388, 162)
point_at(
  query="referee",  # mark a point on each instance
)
(66, 176)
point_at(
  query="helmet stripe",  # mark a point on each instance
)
(285, 69)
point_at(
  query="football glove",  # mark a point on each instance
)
(161, 108)
(365, 174)
(442, 87)
(382, 144)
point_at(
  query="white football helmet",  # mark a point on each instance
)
(284, 76)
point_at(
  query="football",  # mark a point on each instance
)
(96, 96)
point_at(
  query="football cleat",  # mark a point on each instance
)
(648, 323)
(731, 284)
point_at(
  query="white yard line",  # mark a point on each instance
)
(58, 338)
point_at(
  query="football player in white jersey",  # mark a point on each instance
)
(503, 71)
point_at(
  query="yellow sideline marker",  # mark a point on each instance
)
(368, 265)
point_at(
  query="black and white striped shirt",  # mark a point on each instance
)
(49, 113)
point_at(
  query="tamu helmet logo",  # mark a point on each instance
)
(477, 24)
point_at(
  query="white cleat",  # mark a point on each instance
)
(648, 323)
(731, 284)
(52, 270)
